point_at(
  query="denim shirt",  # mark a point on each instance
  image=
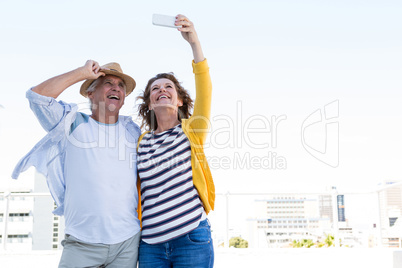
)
(47, 156)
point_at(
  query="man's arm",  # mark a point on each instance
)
(53, 87)
(42, 97)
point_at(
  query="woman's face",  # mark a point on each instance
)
(163, 94)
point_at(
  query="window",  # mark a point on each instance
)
(392, 221)
(14, 217)
(17, 238)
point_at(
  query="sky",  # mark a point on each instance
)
(306, 94)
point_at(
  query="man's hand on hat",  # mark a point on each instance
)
(91, 70)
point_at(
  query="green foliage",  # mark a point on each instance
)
(238, 242)
(329, 241)
(304, 243)
(296, 244)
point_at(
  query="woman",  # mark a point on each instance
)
(177, 189)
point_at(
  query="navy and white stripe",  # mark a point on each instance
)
(171, 206)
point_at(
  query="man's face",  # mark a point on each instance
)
(109, 94)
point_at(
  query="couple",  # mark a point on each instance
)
(88, 162)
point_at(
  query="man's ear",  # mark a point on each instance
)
(90, 95)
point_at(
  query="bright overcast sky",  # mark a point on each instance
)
(268, 59)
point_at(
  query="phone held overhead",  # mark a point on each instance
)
(164, 20)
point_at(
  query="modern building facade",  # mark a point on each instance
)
(390, 206)
(341, 208)
(16, 233)
(31, 224)
(283, 218)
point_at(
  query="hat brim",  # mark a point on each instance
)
(128, 80)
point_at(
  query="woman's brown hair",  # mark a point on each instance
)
(148, 116)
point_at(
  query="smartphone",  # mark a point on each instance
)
(164, 20)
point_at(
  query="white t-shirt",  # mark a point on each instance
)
(100, 174)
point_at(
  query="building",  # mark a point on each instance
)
(325, 206)
(390, 205)
(281, 219)
(18, 229)
(31, 224)
(48, 229)
(341, 208)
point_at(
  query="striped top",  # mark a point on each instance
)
(170, 203)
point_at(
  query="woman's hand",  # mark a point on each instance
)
(187, 30)
(190, 35)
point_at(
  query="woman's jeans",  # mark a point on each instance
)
(194, 249)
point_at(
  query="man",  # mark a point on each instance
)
(89, 162)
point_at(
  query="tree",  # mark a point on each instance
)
(329, 240)
(304, 243)
(238, 242)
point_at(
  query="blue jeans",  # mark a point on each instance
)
(194, 249)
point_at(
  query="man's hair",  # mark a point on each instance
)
(148, 116)
(93, 85)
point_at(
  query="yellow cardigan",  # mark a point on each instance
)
(196, 129)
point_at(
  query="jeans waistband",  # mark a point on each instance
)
(204, 223)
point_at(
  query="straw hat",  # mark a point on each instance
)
(112, 68)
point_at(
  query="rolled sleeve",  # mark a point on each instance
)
(48, 111)
(38, 99)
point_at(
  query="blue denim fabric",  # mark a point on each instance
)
(194, 249)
